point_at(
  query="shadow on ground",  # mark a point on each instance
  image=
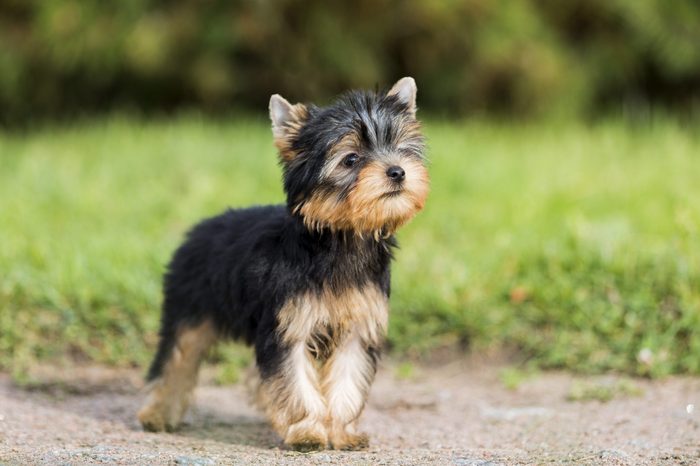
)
(239, 430)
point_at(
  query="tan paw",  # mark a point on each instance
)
(153, 419)
(306, 435)
(350, 441)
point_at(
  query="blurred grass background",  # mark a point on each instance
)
(576, 245)
(564, 220)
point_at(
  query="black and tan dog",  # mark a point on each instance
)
(306, 283)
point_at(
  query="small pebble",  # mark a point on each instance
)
(193, 461)
(613, 454)
(689, 409)
(645, 356)
(472, 462)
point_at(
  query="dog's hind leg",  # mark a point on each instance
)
(173, 374)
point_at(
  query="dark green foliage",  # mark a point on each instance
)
(522, 57)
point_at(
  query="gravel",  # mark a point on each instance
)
(457, 414)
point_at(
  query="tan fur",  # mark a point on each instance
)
(292, 400)
(372, 212)
(297, 400)
(363, 311)
(346, 380)
(299, 114)
(170, 395)
(367, 209)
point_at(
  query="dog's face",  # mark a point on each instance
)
(356, 165)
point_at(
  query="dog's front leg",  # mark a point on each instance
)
(346, 380)
(293, 400)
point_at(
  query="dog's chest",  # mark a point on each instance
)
(322, 319)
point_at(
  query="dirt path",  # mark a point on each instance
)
(460, 414)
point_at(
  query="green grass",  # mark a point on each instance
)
(576, 246)
(603, 390)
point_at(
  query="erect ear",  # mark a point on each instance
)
(287, 120)
(405, 91)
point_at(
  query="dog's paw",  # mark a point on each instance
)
(153, 420)
(306, 436)
(308, 445)
(350, 441)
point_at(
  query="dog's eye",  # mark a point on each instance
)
(351, 159)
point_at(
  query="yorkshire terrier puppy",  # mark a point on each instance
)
(306, 283)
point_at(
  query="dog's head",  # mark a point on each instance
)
(356, 165)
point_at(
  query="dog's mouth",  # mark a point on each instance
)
(391, 194)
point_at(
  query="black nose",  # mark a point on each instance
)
(396, 173)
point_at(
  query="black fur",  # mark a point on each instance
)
(240, 267)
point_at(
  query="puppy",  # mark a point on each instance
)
(305, 283)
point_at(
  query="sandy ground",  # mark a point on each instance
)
(458, 414)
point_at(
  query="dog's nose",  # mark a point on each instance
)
(396, 173)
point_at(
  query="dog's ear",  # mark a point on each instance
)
(287, 120)
(405, 91)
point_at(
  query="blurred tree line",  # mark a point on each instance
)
(506, 57)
